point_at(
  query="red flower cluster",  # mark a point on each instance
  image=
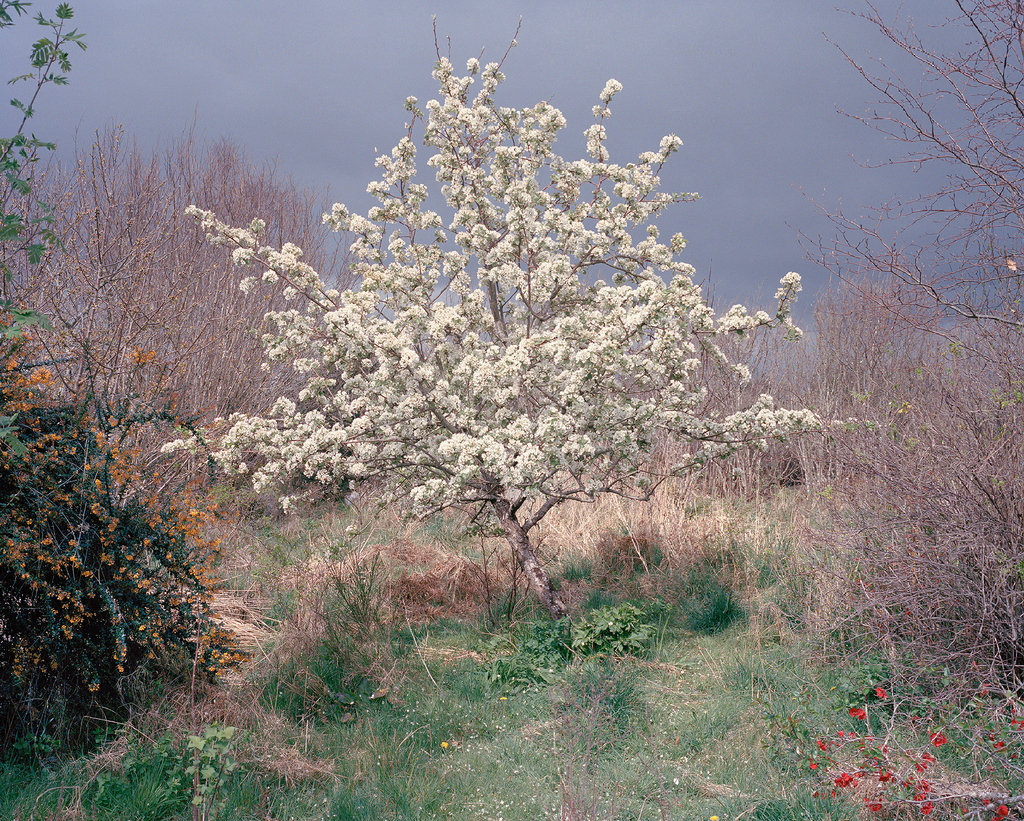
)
(938, 739)
(859, 712)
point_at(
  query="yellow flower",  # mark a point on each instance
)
(714, 818)
(444, 745)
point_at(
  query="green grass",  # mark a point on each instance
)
(679, 734)
(614, 738)
(368, 715)
(578, 570)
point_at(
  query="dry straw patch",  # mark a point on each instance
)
(241, 613)
(416, 581)
(574, 531)
(420, 576)
(686, 525)
(267, 745)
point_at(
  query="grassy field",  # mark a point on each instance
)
(400, 672)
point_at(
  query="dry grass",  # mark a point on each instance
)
(429, 570)
(685, 525)
(267, 745)
(280, 576)
(242, 614)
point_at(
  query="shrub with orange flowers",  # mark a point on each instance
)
(104, 581)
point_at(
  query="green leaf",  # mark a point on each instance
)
(22, 318)
(9, 435)
(20, 186)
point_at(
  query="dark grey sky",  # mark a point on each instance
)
(751, 87)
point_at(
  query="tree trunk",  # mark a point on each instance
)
(534, 570)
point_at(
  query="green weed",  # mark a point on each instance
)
(620, 630)
(806, 807)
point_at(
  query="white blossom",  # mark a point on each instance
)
(480, 359)
(611, 88)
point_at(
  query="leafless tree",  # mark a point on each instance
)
(140, 303)
(953, 251)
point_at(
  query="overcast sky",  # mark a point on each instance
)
(751, 86)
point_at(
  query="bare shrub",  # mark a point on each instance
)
(861, 362)
(933, 516)
(927, 517)
(141, 304)
(504, 584)
(950, 252)
(923, 484)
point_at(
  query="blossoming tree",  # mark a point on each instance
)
(483, 362)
